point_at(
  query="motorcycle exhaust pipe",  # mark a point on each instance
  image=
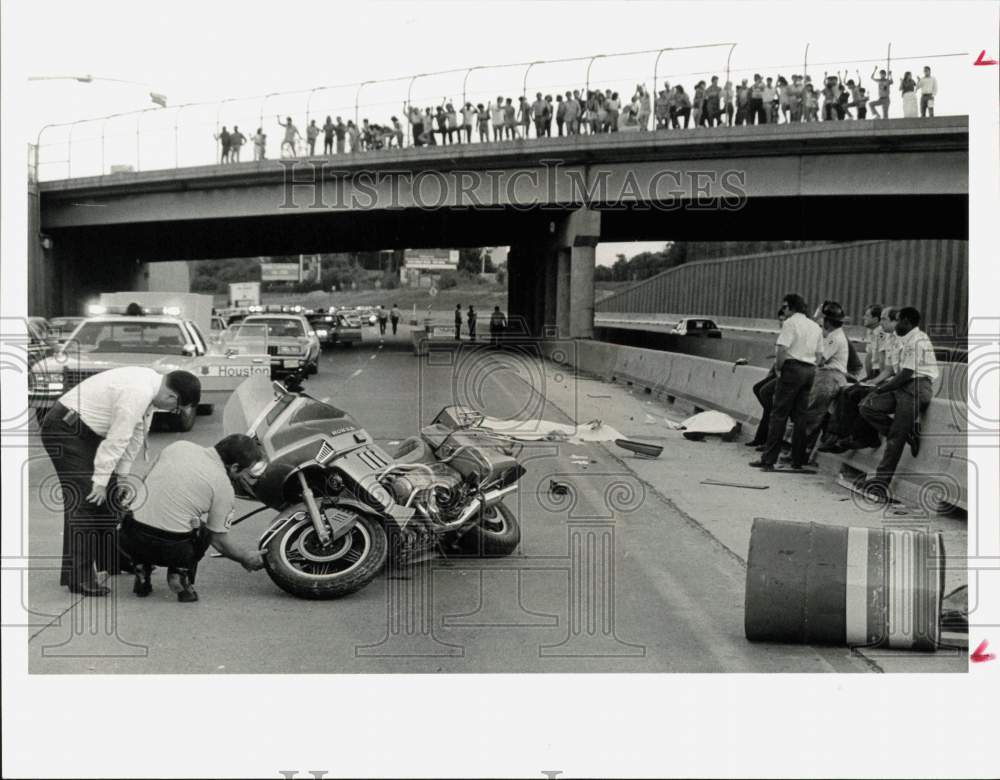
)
(488, 500)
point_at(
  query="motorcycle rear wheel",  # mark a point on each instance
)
(496, 535)
(298, 563)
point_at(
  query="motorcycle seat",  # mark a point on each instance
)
(413, 450)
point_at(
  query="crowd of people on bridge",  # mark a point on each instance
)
(762, 100)
(835, 401)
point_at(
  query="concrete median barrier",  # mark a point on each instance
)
(935, 479)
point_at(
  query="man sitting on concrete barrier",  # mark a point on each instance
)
(831, 369)
(798, 345)
(847, 429)
(894, 408)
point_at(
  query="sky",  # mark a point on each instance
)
(197, 52)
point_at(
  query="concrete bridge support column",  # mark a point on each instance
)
(577, 242)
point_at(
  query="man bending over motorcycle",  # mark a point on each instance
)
(164, 526)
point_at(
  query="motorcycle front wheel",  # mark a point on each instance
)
(301, 565)
(496, 534)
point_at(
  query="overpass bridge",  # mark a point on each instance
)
(550, 200)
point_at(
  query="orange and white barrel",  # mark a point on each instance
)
(819, 584)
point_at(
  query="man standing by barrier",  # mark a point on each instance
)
(497, 325)
(894, 408)
(458, 322)
(471, 317)
(798, 345)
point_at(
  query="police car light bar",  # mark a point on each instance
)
(97, 308)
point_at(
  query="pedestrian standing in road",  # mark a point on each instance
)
(927, 86)
(798, 345)
(223, 138)
(93, 434)
(187, 483)
(291, 136)
(498, 324)
(458, 322)
(328, 128)
(383, 319)
(471, 318)
(394, 316)
(236, 141)
(259, 144)
(895, 407)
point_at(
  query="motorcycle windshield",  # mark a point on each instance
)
(247, 404)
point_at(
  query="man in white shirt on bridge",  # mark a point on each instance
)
(927, 86)
(798, 347)
(894, 408)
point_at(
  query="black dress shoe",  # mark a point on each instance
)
(187, 595)
(759, 464)
(142, 586)
(89, 589)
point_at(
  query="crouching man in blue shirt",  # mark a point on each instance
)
(165, 525)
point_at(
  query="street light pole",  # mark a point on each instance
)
(589, 64)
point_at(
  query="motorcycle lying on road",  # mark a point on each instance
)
(344, 504)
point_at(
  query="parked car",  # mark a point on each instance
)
(159, 341)
(698, 327)
(336, 327)
(290, 341)
(39, 345)
(62, 327)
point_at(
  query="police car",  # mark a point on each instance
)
(158, 338)
(288, 338)
(336, 327)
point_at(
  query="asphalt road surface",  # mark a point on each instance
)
(610, 579)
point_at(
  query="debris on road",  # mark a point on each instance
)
(640, 448)
(710, 423)
(734, 484)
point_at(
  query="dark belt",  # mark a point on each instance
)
(129, 522)
(800, 362)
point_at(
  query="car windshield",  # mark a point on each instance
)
(155, 338)
(279, 328)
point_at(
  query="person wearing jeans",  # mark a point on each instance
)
(894, 408)
(798, 345)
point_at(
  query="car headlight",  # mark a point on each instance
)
(321, 333)
(288, 350)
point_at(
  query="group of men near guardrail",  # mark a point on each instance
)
(818, 382)
(94, 434)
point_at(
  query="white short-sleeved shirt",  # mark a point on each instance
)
(801, 337)
(188, 484)
(835, 351)
(917, 354)
(874, 345)
(117, 405)
(891, 348)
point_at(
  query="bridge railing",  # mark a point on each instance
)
(186, 135)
